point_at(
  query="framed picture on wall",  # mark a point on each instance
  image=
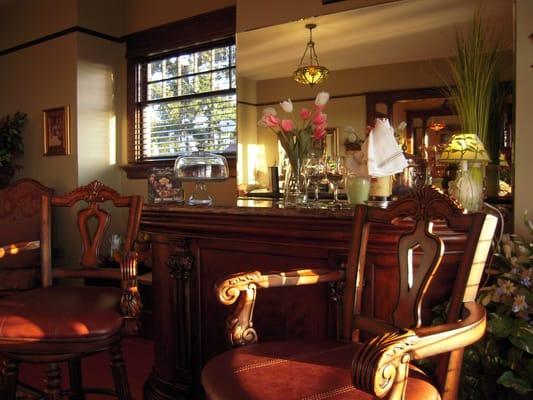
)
(56, 131)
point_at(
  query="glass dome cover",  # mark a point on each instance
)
(201, 166)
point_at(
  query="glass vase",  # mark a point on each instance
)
(466, 189)
(294, 192)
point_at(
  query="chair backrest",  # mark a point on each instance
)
(20, 216)
(407, 258)
(90, 199)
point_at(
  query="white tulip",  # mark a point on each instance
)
(322, 98)
(286, 105)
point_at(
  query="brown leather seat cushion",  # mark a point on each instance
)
(294, 370)
(60, 312)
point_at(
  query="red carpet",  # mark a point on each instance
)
(138, 354)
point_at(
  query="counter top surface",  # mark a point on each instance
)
(255, 207)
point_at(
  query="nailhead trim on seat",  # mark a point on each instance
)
(329, 393)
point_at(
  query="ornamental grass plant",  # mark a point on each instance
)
(475, 73)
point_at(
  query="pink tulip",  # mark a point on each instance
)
(287, 125)
(320, 118)
(319, 133)
(271, 120)
(305, 114)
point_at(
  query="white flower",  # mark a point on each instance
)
(269, 111)
(262, 124)
(505, 287)
(519, 303)
(286, 105)
(507, 250)
(401, 126)
(322, 99)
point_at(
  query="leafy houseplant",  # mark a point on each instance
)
(11, 144)
(500, 366)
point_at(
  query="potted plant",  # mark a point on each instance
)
(11, 145)
(500, 366)
(475, 95)
(475, 75)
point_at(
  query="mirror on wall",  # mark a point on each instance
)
(399, 47)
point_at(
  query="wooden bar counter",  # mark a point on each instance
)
(192, 247)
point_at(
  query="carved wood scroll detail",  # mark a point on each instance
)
(381, 365)
(239, 325)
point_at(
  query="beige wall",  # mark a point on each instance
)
(103, 16)
(25, 20)
(32, 81)
(98, 112)
(252, 14)
(524, 115)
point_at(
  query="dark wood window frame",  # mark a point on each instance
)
(195, 32)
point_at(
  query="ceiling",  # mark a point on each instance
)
(408, 30)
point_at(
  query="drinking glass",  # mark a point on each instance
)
(335, 173)
(315, 172)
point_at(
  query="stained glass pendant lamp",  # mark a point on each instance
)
(312, 72)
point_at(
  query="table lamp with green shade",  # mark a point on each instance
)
(468, 151)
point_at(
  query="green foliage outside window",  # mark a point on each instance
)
(190, 101)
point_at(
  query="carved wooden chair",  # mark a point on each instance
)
(20, 221)
(386, 312)
(64, 323)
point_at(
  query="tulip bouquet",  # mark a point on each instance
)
(297, 140)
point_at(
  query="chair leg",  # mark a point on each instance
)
(9, 379)
(53, 382)
(118, 369)
(76, 387)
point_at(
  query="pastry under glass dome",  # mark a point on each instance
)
(201, 167)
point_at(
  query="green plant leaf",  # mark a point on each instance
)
(523, 338)
(514, 356)
(509, 380)
(501, 325)
(529, 368)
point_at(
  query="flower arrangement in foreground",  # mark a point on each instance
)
(297, 140)
(500, 366)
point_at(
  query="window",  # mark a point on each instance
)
(184, 101)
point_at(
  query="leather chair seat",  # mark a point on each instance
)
(295, 370)
(49, 314)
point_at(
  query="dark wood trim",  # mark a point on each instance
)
(376, 95)
(140, 170)
(208, 27)
(390, 97)
(56, 35)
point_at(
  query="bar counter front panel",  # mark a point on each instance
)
(193, 247)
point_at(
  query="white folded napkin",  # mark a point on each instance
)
(384, 155)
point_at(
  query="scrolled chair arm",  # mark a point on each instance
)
(239, 325)
(381, 365)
